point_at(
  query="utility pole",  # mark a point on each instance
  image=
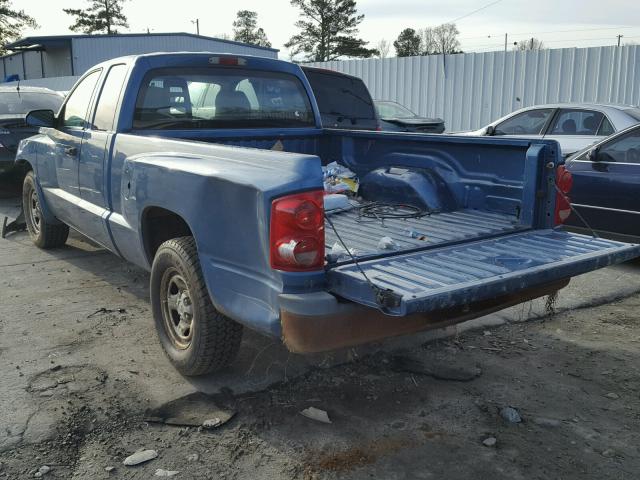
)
(197, 24)
(505, 42)
(619, 37)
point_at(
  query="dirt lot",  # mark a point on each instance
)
(81, 365)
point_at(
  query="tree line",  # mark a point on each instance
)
(326, 30)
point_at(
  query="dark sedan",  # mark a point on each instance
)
(398, 118)
(15, 102)
(606, 186)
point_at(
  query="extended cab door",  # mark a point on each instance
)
(61, 185)
(94, 158)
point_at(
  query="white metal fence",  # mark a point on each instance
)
(470, 90)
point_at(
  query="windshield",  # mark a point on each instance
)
(633, 112)
(21, 103)
(221, 98)
(393, 110)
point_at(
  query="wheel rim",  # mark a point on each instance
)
(177, 308)
(34, 211)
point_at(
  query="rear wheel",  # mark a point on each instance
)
(196, 337)
(43, 233)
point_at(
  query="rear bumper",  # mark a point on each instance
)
(335, 324)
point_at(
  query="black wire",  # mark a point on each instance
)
(382, 210)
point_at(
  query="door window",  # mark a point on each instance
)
(108, 101)
(77, 107)
(530, 122)
(606, 128)
(576, 122)
(625, 149)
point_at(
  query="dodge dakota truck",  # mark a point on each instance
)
(210, 171)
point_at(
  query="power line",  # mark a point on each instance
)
(475, 11)
(549, 31)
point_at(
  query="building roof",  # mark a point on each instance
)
(38, 42)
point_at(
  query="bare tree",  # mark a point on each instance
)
(429, 45)
(531, 44)
(446, 38)
(383, 48)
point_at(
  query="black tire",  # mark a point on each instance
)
(43, 233)
(195, 336)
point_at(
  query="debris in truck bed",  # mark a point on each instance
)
(388, 243)
(336, 201)
(339, 179)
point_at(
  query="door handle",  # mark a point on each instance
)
(71, 151)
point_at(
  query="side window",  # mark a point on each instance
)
(576, 122)
(625, 149)
(77, 107)
(108, 101)
(526, 123)
(606, 128)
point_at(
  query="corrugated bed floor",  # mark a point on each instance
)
(364, 234)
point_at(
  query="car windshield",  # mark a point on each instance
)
(393, 110)
(633, 112)
(221, 97)
(21, 103)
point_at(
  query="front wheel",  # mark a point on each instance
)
(43, 233)
(196, 337)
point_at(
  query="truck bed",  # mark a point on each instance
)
(437, 229)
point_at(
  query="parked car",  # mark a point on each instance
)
(15, 102)
(239, 236)
(606, 186)
(398, 118)
(343, 100)
(574, 125)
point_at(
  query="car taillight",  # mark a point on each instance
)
(564, 182)
(297, 232)
(237, 61)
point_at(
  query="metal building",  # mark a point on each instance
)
(62, 58)
(470, 90)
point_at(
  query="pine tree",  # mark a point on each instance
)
(245, 29)
(101, 16)
(328, 30)
(408, 43)
(11, 23)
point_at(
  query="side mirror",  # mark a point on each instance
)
(40, 118)
(592, 155)
(490, 130)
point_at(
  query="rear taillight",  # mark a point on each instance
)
(564, 182)
(297, 232)
(236, 61)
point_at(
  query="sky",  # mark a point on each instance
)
(558, 23)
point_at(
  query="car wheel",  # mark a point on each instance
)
(43, 233)
(196, 337)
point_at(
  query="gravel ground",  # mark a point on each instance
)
(82, 366)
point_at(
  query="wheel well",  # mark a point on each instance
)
(160, 225)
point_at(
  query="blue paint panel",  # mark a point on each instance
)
(458, 275)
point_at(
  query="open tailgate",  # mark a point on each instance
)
(461, 274)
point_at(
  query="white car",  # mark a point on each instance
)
(574, 125)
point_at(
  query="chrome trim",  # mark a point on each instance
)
(605, 163)
(604, 208)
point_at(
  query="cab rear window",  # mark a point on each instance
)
(221, 97)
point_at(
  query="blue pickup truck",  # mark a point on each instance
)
(207, 170)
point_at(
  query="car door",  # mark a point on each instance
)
(575, 129)
(528, 124)
(606, 185)
(94, 154)
(61, 187)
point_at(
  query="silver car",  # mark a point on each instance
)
(574, 125)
